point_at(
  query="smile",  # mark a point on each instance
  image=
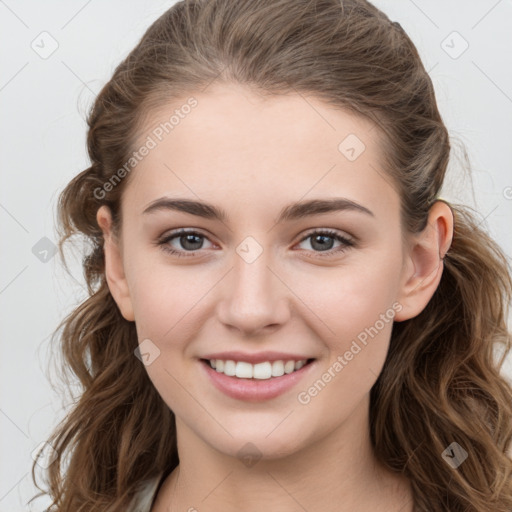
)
(262, 371)
(256, 383)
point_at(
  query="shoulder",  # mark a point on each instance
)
(146, 493)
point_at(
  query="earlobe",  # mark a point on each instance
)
(114, 269)
(424, 262)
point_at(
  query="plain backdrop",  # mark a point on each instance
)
(55, 57)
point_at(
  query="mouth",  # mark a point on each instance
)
(260, 371)
(258, 382)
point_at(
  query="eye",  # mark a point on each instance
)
(189, 240)
(323, 241)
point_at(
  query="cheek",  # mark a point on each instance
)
(359, 314)
(355, 308)
(352, 298)
(164, 298)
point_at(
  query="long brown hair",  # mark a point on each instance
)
(441, 382)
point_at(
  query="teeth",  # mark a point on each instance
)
(230, 368)
(299, 364)
(289, 366)
(262, 371)
(243, 370)
(277, 368)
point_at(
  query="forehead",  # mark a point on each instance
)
(235, 144)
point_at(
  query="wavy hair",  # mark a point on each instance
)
(441, 380)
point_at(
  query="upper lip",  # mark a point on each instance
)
(255, 358)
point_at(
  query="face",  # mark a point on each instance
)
(321, 284)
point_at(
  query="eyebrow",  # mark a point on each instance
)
(294, 211)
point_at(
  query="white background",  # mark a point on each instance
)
(43, 103)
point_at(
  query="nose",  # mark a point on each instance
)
(254, 298)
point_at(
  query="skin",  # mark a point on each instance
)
(251, 157)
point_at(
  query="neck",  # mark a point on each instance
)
(339, 468)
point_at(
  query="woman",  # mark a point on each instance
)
(283, 313)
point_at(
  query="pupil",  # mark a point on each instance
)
(189, 238)
(322, 245)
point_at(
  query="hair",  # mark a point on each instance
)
(440, 382)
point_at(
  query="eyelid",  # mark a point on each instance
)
(173, 234)
(347, 241)
(332, 231)
(309, 232)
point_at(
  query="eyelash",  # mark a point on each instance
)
(347, 243)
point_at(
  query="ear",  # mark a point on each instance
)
(114, 269)
(423, 266)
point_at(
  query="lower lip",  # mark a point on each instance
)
(255, 390)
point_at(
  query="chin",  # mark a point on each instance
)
(252, 445)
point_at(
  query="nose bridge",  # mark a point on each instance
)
(253, 297)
